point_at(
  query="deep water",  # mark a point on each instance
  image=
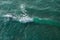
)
(11, 29)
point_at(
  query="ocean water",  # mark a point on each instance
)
(16, 19)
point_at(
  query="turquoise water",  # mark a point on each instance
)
(12, 29)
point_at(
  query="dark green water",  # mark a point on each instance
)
(14, 30)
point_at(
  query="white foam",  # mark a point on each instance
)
(22, 19)
(25, 19)
(22, 7)
(9, 16)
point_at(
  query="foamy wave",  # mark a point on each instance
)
(9, 16)
(25, 19)
(22, 19)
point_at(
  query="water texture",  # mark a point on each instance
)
(16, 19)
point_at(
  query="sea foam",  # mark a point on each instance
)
(23, 19)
